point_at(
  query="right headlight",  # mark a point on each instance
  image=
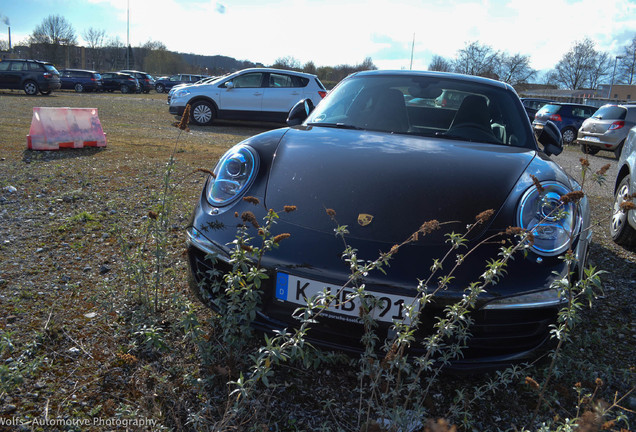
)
(553, 224)
(234, 173)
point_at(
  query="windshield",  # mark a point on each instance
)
(426, 106)
(610, 112)
(549, 109)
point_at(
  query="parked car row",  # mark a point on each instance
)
(127, 81)
(164, 84)
(35, 76)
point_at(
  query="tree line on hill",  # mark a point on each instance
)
(583, 66)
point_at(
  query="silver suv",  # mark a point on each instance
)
(607, 129)
(623, 222)
(260, 94)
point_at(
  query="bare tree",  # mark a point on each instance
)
(367, 64)
(601, 68)
(310, 67)
(578, 65)
(95, 39)
(288, 62)
(515, 69)
(550, 78)
(477, 59)
(627, 67)
(115, 54)
(440, 64)
(53, 34)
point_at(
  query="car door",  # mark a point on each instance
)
(12, 76)
(281, 93)
(107, 79)
(5, 81)
(243, 96)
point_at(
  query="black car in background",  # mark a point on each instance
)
(532, 105)
(146, 81)
(165, 84)
(32, 76)
(568, 117)
(123, 82)
(81, 80)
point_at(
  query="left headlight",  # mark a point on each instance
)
(234, 173)
(181, 93)
(553, 224)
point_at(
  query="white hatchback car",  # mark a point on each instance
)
(260, 94)
(623, 222)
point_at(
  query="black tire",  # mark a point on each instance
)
(620, 229)
(160, 88)
(569, 135)
(30, 88)
(589, 149)
(202, 113)
(79, 88)
(124, 89)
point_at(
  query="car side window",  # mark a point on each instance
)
(33, 67)
(4, 66)
(280, 80)
(578, 112)
(249, 80)
(18, 66)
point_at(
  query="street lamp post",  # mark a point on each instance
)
(613, 73)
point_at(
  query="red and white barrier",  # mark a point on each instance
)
(55, 128)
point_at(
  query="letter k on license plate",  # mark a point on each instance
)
(297, 290)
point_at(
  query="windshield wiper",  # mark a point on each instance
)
(336, 125)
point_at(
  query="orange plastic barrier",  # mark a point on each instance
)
(55, 128)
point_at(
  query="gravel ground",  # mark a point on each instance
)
(63, 291)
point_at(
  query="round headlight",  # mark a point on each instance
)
(234, 174)
(553, 224)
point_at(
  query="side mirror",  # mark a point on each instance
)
(300, 112)
(229, 85)
(550, 137)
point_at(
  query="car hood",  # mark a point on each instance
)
(384, 186)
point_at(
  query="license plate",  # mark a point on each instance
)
(592, 138)
(345, 307)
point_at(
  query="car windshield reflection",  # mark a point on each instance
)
(425, 106)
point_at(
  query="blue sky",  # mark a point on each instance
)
(332, 32)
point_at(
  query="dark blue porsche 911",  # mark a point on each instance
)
(386, 158)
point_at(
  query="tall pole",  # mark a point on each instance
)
(412, 49)
(613, 73)
(128, 36)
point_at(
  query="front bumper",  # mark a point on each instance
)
(176, 110)
(500, 337)
(603, 142)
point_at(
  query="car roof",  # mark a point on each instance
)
(572, 104)
(274, 70)
(433, 74)
(29, 60)
(80, 70)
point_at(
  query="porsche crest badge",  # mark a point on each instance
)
(364, 219)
